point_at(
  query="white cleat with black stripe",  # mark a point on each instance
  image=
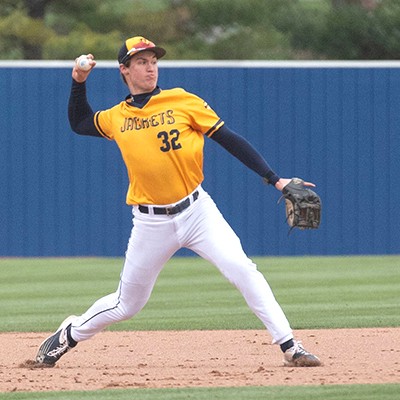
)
(55, 346)
(297, 356)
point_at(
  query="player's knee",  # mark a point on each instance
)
(238, 270)
(130, 305)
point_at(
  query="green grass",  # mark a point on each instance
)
(337, 392)
(315, 292)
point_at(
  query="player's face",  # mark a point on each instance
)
(142, 74)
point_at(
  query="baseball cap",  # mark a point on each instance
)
(136, 44)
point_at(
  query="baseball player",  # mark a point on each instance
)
(161, 134)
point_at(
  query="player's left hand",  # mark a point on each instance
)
(284, 181)
(303, 206)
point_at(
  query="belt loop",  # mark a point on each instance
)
(143, 209)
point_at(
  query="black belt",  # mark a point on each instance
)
(177, 208)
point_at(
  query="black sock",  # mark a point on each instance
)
(71, 342)
(287, 345)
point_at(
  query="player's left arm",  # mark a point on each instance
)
(245, 152)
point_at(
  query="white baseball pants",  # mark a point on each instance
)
(154, 239)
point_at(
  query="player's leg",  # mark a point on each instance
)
(210, 236)
(151, 244)
(215, 241)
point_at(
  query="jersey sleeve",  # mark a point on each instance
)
(103, 123)
(203, 118)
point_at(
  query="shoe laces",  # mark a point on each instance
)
(59, 351)
(63, 346)
(298, 348)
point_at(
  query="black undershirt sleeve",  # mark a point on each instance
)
(239, 147)
(80, 114)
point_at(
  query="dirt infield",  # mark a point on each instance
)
(201, 358)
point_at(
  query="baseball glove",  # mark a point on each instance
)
(303, 206)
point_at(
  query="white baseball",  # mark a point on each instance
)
(82, 63)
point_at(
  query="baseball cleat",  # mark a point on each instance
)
(55, 346)
(297, 356)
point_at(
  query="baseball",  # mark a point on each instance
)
(82, 63)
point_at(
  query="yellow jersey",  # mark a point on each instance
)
(161, 143)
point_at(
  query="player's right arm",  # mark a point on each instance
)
(80, 114)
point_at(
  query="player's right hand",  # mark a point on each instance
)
(79, 75)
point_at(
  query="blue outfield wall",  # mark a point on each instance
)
(335, 125)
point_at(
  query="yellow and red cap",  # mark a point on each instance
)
(135, 45)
